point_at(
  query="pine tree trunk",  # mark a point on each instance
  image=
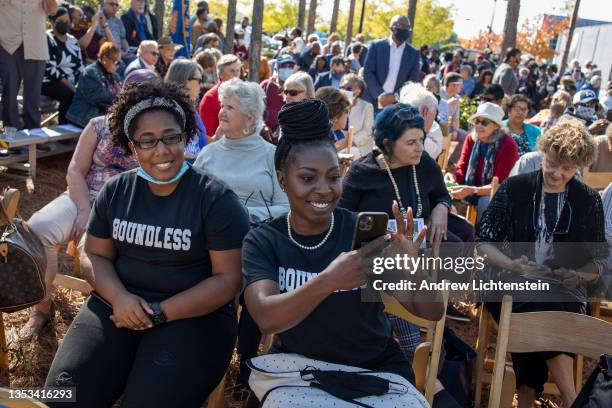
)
(512, 14)
(255, 48)
(228, 46)
(570, 36)
(312, 16)
(349, 25)
(334, 19)
(160, 9)
(412, 5)
(301, 14)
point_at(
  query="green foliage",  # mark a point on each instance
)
(279, 16)
(467, 107)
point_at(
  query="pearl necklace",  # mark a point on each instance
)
(310, 248)
(415, 181)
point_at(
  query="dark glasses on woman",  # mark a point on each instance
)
(483, 122)
(292, 92)
(150, 142)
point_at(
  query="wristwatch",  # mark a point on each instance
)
(158, 316)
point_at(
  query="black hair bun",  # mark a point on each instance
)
(305, 120)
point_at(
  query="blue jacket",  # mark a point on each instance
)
(376, 68)
(92, 97)
(324, 79)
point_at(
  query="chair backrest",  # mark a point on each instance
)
(546, 331)
(597, 181)
(445, 154)
(427, 355)
(9, 204)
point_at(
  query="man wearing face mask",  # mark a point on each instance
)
(273, 88)
(335, 74)
(584, 107)
(391, 62)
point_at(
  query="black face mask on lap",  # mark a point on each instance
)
(349, 386)
(62, 27)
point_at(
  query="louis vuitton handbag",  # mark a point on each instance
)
(22, 259)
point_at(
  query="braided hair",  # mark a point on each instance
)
(303, 123)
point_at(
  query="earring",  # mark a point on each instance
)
(246, 131)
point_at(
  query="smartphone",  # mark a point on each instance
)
(369, 226)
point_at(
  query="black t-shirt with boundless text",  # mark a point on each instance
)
(341, 329)
(162, 242)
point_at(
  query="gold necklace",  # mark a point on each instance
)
(397, 194)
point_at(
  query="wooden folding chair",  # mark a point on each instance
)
(545, 331)
(445, 154)
(72, 282)
(471, 210)
(427, 355)
(483, 365)
(597, 181)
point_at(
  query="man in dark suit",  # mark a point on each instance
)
(391, 62)
(334, 76)
(139, 24)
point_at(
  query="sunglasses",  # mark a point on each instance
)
(292, 92)
(151, 142)
(487, 99)
(483, 122)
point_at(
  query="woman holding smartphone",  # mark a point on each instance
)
(303, 281)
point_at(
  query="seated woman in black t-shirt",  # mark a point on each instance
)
(302, 279)
(162, 252)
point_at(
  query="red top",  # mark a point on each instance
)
(274, 103)
(209, 109)
(506, 156)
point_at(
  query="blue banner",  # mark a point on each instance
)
(179, 27)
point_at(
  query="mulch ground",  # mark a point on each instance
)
(30, 360)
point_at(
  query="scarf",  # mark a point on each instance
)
(487, 169)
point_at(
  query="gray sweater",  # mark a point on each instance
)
(505, 76)
(246, 165)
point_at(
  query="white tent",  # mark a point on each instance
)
(590, 43)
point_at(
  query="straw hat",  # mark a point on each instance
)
(166, 42)
(489, 111)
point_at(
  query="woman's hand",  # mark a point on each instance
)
(438, 224)
(402, 240)
(350, 269)
(461, 192)
(131, 312)
(522, 266)
(569, 277)
(79, 225)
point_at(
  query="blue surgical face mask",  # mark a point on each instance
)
(284, 73)
(141, 173)
(401, 34)
(337, 75)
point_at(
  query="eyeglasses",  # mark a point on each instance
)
(347, 88)
(114, 62)
(199, 79)
(154, 53)
(483, 122)
(292, 92)
(151, 142)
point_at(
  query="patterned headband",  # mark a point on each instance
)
(157, 102)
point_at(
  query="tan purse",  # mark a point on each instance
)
(22, 259)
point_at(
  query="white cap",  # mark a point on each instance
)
(489, 110)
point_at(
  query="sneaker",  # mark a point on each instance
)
(454, 314)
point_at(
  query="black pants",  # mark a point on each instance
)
(176, 364)
(62, 93)
(249, 338)
(14, 69)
